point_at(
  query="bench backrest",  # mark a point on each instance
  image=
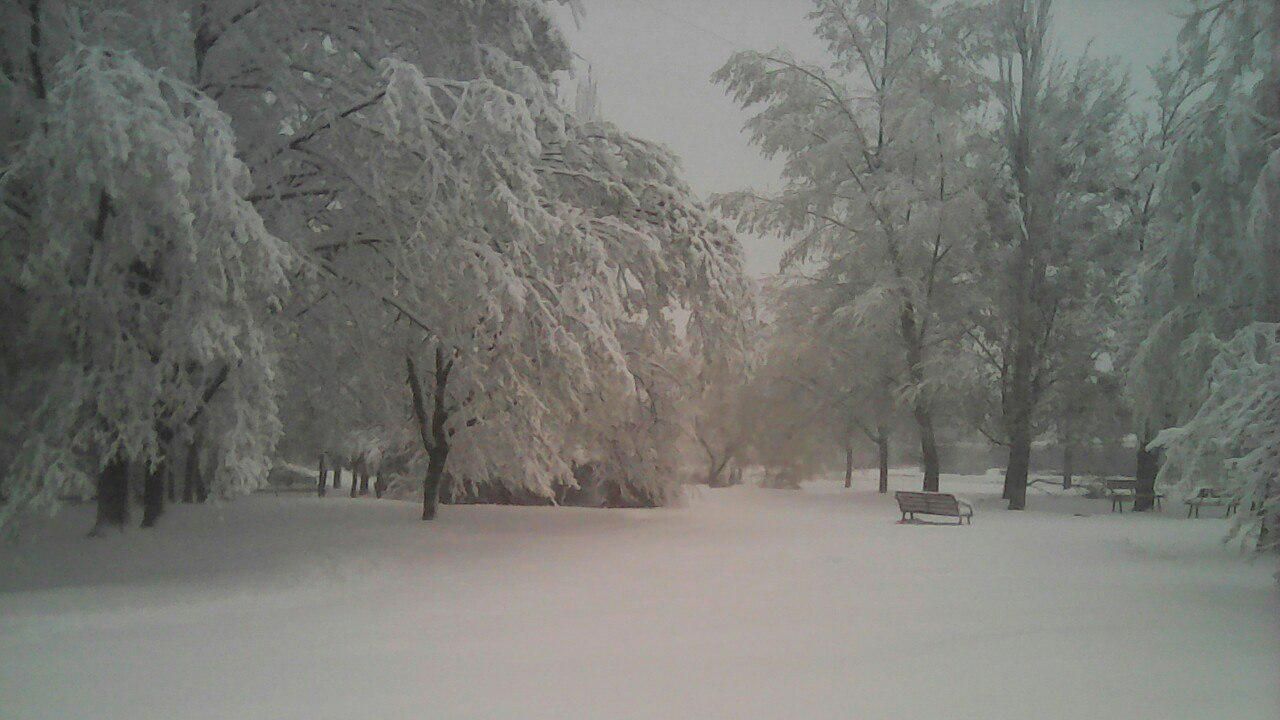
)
(928, 503)
(1122, 484)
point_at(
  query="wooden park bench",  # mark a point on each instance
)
(1123, 490)
(1211, 497)
(932, 503)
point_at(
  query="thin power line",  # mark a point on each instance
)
(672, 17)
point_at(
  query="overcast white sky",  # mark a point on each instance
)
(653, 60)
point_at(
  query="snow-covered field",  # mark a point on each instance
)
(745, 603)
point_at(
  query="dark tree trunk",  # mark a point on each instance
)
(1266, 518)
(1015, 476)
(1018, 405)
(379, 485)
(33, 50)
(1068, 465)
(322, 477)
(882, 450)
(201, 482)
(716, 471)
(364, 481)
(153, 495)
(1148, 465)
(848, 464)
(337, 476)
(355, 477)
(193, 486)
(913, 338)
(717, 464)
(432, 430)
(113, 496)
(157, 476)
(433, 484)
(191, 467)
(171, 477)
(928, 450)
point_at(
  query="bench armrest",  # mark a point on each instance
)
(964, 505)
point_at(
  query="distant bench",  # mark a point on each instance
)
(932, 503)
(1210, 497)
(1123, 490)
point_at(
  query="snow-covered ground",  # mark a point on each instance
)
(745, 603)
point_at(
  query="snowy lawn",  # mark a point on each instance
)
(746, 603)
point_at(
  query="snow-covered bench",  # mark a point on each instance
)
(1122, 490)
(932, 503)
(1210, 497)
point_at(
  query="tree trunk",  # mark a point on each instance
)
(171, 476)
(920, 411)
(716, 464)
(379, 485)
(1068, 465)
(848, 464)
(364, 481)
(432, 431)
(190, 469)
(928, 450)
(153, 495)
(716, 470)
(1266, 516)
(713, 473)
(33, 50)
(433, 483)
(322, 477)
(1148, 464)
(201, 480)
(882, 450)
(337, 475)
(1018, 406)
(355, 476)
(113, 496)
(158, 476)
(1015, 477)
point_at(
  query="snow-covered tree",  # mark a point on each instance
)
(1052, 227)
(1152, 388)
(502, 250)
(1209, 279)
(879, 199)
(1233, 439)
(474, 260)
(154, 274)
